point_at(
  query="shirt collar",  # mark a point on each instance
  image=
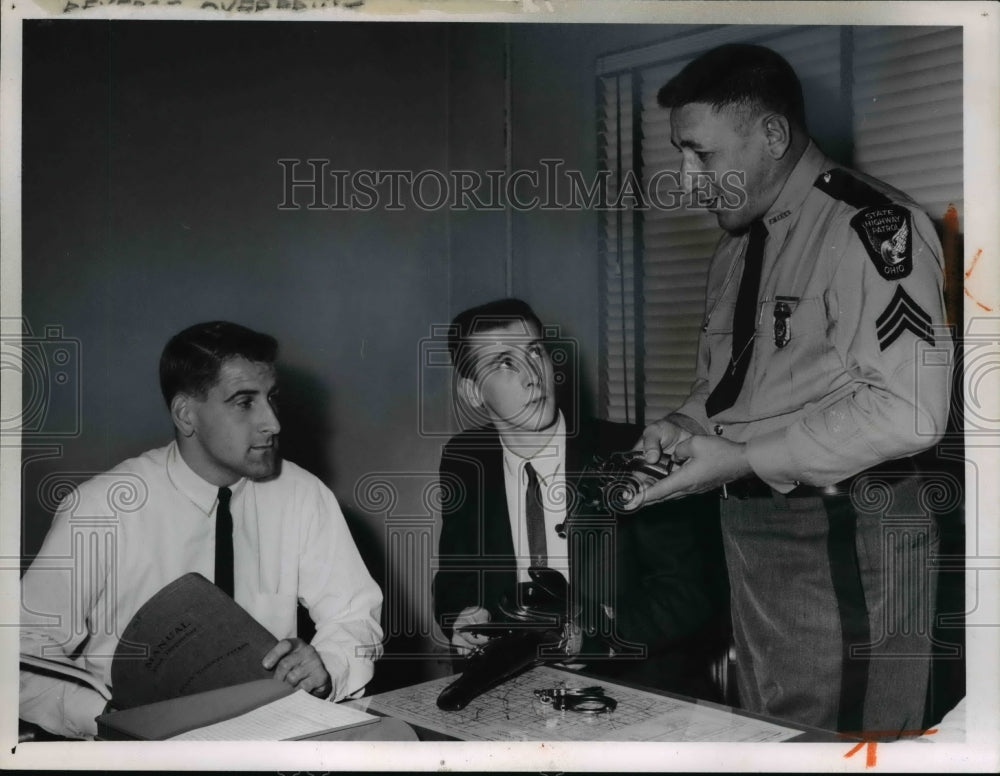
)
(201, 493)
(547, 461)
(796, 188)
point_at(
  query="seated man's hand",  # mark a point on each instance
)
(297, 663)
(572, 638)
(464, 643)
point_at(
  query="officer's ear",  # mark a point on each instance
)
(777, 134)
(182, 414)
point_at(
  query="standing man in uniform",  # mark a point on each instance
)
(824, 304)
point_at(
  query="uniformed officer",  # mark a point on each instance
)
(818, 376)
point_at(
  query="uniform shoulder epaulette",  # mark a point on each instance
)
(883, 226)
(843, 186)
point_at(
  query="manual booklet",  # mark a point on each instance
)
(188, 638)
(191, 658)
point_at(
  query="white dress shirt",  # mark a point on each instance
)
(120, 537)
(550, 465)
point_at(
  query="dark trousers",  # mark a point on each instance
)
(832, 606)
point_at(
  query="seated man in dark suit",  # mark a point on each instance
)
(659, 593)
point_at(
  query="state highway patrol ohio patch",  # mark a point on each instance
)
(885, 232)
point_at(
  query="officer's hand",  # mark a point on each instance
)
(660, 437)
(706, 462)
(297, 663)
(464, 643)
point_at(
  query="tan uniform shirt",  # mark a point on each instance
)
(851, 362)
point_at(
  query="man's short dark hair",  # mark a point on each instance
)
(191, 361)
(480, 320)
(738, 75)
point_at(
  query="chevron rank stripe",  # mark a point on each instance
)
(902, 314)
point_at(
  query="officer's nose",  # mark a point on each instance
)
(687, 176)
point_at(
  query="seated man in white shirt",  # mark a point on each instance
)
(284, 539)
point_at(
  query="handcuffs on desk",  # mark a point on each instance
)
(585, 700)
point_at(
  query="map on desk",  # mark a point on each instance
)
(511, 712)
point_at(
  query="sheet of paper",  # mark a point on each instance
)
(511, 712)
(294, 716)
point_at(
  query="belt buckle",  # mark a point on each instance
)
(739, 490)
(747, 487)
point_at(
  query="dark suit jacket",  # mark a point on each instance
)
(667, 586)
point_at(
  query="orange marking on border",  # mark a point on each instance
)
(968, 272)
(980, 304)
(870, 742)
(854, 751)
(972, 266)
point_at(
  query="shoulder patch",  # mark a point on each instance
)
(902, 314)
(840, 184)
(886, 233)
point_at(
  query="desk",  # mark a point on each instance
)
(166, 719)
(511, 712)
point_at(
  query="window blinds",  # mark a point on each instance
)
(908, 112)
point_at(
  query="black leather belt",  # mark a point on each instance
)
(754, 487)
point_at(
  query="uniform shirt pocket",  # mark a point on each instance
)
(794, 361)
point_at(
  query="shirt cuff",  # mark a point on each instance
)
(87, 705)
(81, 707)
(348, 677)
(59, 706)
(687, 423)
(770, 457)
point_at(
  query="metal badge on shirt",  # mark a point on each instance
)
(886, 234)
(783, 308)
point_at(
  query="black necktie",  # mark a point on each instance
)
(536, 519)
(744, 324)
(224, 542)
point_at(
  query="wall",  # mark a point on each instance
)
(151, 193)
(150, 197)
(549, 255)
